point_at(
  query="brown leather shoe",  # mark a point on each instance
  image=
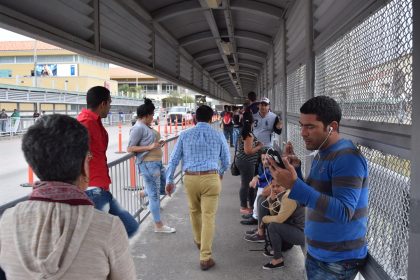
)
(205, 265)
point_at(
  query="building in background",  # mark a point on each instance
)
(38, 64)
(138, 85)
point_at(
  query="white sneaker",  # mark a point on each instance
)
(165, 229)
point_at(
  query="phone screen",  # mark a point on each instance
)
(277, 158)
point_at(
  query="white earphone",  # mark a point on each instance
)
(330, 129)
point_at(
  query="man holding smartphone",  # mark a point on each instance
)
(335, 193)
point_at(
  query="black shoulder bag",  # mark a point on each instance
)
(233, 168)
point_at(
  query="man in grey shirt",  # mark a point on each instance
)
(266, 122)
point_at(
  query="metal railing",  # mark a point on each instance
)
(127, 182)
(31, 94)
(12, 126)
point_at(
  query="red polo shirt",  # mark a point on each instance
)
(98, 144)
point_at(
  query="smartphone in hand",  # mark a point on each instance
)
(276, 157)
(162, 143)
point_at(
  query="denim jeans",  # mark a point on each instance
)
(342, 270)
(154, 180)
(228, 132)
(104, 201)
(236, 133)
(3, 123)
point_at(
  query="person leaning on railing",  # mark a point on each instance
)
(145, 142)
(98, 101)
(57, 233)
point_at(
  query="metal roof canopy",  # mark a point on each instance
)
(193, 43)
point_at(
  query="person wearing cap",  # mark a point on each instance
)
(266, 122)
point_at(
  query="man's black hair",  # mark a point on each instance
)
(96, 95)
(145, 109)
(252, 96)
(55, 147)
(325, 108)
(204, 113)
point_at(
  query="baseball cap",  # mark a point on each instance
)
(265, 100)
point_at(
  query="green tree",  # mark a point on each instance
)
(123, 88)
(187, 99)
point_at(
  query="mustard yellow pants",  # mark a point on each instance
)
(203, 199)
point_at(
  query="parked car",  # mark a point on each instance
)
(179, 113)
(156, 117)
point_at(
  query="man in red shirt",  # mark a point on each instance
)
(98, 101)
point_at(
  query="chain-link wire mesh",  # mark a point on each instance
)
(296, 89)
(293, 135)
(389, 184)
(369, 70)
(279, 97)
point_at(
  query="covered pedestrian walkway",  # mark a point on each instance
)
(363, 53)
(175, 256)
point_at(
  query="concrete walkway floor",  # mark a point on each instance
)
(175, 256)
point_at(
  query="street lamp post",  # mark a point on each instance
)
(35, 63)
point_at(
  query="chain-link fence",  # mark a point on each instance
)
(293, 135)
(369, 70)
(296, 89)
(389, 184)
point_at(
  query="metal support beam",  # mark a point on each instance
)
(206, 53)
(243, 34)
(96, 26)
(414, 228)
(194, 38)
(309, 42)
(232, 40)
(208, 13)
(283, 77)
(176, 9)
(259, 8)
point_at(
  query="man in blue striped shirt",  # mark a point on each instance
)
(205, 157)
(335, 193)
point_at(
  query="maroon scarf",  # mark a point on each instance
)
(59, 192)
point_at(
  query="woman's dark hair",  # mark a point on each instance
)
(247, 123)
(145, 109)
(204, 113)
(96, 95)
(252, 96)
(325, 108)
(55, 147)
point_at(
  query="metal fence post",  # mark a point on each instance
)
(414, 228)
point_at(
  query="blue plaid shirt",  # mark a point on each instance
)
(200, 148)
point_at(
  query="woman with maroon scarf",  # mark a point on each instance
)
(57, 233)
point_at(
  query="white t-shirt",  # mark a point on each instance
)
(263, 127)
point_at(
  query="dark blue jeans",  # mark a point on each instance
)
(228, 132)
(342, 270)
(104, 201)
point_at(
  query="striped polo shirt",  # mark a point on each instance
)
(336, 197)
